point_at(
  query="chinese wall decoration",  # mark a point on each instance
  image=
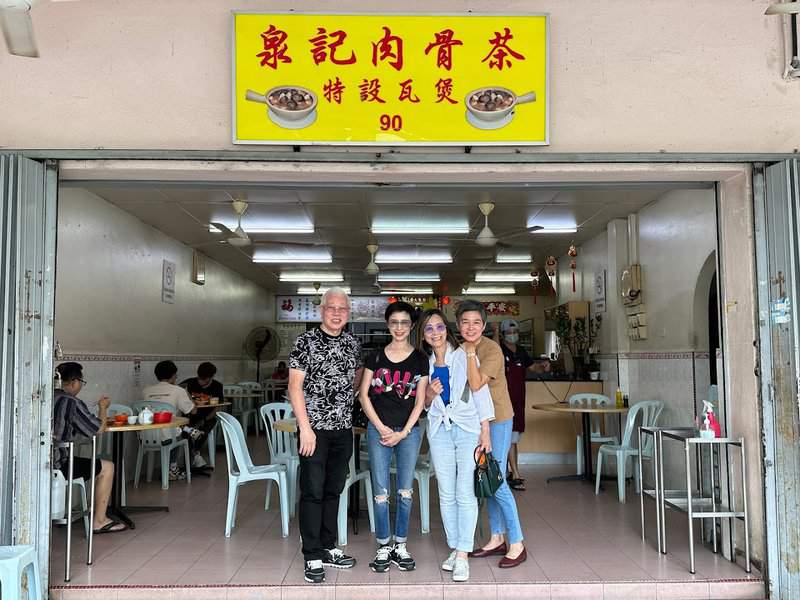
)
(390, 79)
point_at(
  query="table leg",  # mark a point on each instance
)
(587, 447)
(115, 506)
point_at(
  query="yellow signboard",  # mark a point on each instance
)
(390, 79)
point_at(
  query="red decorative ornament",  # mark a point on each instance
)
(392, 299)
(550, 265)
(446, 300)
(573, 264)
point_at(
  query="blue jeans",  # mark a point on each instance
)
(380, 458)
(503, 517)
(453, 458)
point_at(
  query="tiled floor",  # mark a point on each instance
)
(579, 546)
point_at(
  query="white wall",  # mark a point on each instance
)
(626, 76)
(109, 311)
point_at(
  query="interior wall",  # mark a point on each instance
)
(109, 311)
(134, 75)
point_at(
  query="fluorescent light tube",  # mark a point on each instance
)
(408, 276)
(303, 276)
(557, 230)
(292, 255)
(414, 229)
(411, 290)
(308, 290)
(428, 257)
(475, 290)
(491, 276)
(262, 229)
(508, 257)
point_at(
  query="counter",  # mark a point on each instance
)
(551, 432)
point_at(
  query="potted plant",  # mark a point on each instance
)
(577, 335)
(594, 369)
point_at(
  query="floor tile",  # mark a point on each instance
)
(682, 590)
(523, 591)
(576, 591)
(629, 591)
(736, 590)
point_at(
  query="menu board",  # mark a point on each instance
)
(302, 309)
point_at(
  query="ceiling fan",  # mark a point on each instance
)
(237, 237)
(486, 236)
(372, 267)
(17, 26)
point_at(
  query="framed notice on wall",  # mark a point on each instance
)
(390, 79)
(303, 308)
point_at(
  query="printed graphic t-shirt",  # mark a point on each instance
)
(393, 390)
(330, 364)
(214, 388)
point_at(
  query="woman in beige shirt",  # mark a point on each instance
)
(485, 364)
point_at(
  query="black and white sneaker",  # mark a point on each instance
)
(382, 559)
(315, 572)
(401, 558)
(338, 560)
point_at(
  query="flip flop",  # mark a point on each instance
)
(109, 528)
(517, 484)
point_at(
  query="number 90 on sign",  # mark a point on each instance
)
(391, 122)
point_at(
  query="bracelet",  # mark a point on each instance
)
(471, 354)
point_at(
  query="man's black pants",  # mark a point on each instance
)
(322, 477)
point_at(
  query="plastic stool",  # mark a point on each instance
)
(13, 561)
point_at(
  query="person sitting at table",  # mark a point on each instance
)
(166, 391)
(203, 388)
(73, 419)
(281, 372)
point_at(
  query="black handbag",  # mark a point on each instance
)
(488, 477)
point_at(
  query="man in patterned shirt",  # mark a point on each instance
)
(322, 381)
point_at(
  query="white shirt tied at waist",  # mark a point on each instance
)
(467, 415)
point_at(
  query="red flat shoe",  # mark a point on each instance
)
(508, 563)
(481, 553)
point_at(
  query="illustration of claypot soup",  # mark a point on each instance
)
(289, 106)
(494, 106)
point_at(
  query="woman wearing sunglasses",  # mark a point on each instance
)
(392, 396)
(458, 424)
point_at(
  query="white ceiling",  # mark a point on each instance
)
(342, 217)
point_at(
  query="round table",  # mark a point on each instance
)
(586, 411)
(115, 505)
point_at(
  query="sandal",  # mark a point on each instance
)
(517, 484)
(110, 528)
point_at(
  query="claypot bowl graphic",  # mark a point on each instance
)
(289, 102)
(494, 103)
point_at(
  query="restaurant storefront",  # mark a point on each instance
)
(756, 189)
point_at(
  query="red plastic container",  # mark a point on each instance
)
(163, 416)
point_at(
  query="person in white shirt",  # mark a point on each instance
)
(458, 426)
(166, 391)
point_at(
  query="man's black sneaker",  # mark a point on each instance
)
(338, 560)
(382, 560)
(315, 572)
(402, 558)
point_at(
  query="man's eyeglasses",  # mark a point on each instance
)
(83, 381)
(404, 324)
(337, 309)
(437, 328)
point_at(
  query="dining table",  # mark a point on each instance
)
(290, 426)
(586, 412)
(118, 444)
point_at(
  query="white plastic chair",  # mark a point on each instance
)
(353, 478)
(650, 410)
(254, 403)
(423, 473)
(282, 446)
(595, 421)
(150, 442)
(243, 471)
(241, 408)
(14, 560)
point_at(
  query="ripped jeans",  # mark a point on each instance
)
(380, 458)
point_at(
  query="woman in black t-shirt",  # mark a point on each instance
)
(393, 396)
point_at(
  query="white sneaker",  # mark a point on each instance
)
(198, 462)
(461, 570)
(447, 565)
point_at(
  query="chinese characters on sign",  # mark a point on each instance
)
(390, 78)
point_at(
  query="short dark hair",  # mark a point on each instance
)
(164, 370)
(70, 371)
(423, 320)
(282, 364)
(205, 370)
(401, 306)
(469, 306)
